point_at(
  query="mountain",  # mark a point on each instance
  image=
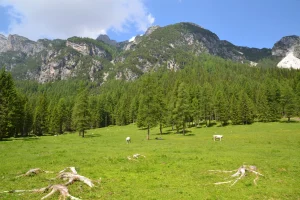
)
(170, 47)
(288, 50)
(107, 40)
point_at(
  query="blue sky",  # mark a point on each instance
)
(253, 23)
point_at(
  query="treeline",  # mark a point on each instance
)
(207, 90)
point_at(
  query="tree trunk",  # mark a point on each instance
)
(83, 133)
(60, 128)
(148, 134)
(160, 128)
(183, 128)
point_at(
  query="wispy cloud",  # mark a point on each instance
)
(63, 19)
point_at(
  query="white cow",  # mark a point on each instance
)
(128, 140)
(217, 137)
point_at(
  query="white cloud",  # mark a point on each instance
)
(36, 19)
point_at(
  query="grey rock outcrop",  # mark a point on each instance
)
(88, 49)
(285, 45)
(19, 43)
(288, 49)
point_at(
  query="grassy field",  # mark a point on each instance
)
(174, 168)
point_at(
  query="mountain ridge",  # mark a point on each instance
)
(102, 58)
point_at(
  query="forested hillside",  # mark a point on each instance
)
(208, 90)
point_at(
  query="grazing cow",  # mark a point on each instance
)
(128, 140)
(217, 137)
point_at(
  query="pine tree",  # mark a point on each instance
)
(234, 111)
(148, 105)
(206, 103)
(8, 105)
(81, 115)
(28, 119)
(287, 102)
(263, 110)
(221, 108)
(41, 116)
(245, 108)
(181, 109)
(196, 105)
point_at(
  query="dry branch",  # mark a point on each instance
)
(32, 172)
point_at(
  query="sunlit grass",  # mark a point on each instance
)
(174, 168)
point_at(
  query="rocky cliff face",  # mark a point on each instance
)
(285, 45)
(46, 60)
(86, 49)
(288, 49)
(19, 43)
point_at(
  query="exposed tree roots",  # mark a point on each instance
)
(135, 157)
(74, 176)
(63, 190)
(68, 173)
(240, 173)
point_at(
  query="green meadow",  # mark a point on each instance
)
(176, 167)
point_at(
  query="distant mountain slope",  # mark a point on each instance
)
(170, 47)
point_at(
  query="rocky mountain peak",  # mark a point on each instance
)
(2, 37)
(105, 38)
(288, 48)
(285, 45)
(19, 43)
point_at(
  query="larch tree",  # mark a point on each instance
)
(221, 108)
(148, 105)
(81, 114)
(181, 110)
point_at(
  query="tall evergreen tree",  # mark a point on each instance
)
(221, 108)
(288, 102)
(206, 104)
(235, 115)
(41, 116)
(246, 108)
(28, 119)
(148, 105)
(181, 109)
(196, 105)
(81, 115)
(8, 105)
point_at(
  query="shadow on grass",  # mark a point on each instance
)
(92, 136)
(189, 134)
(289, 122)
(29, 138)
(165, 133)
